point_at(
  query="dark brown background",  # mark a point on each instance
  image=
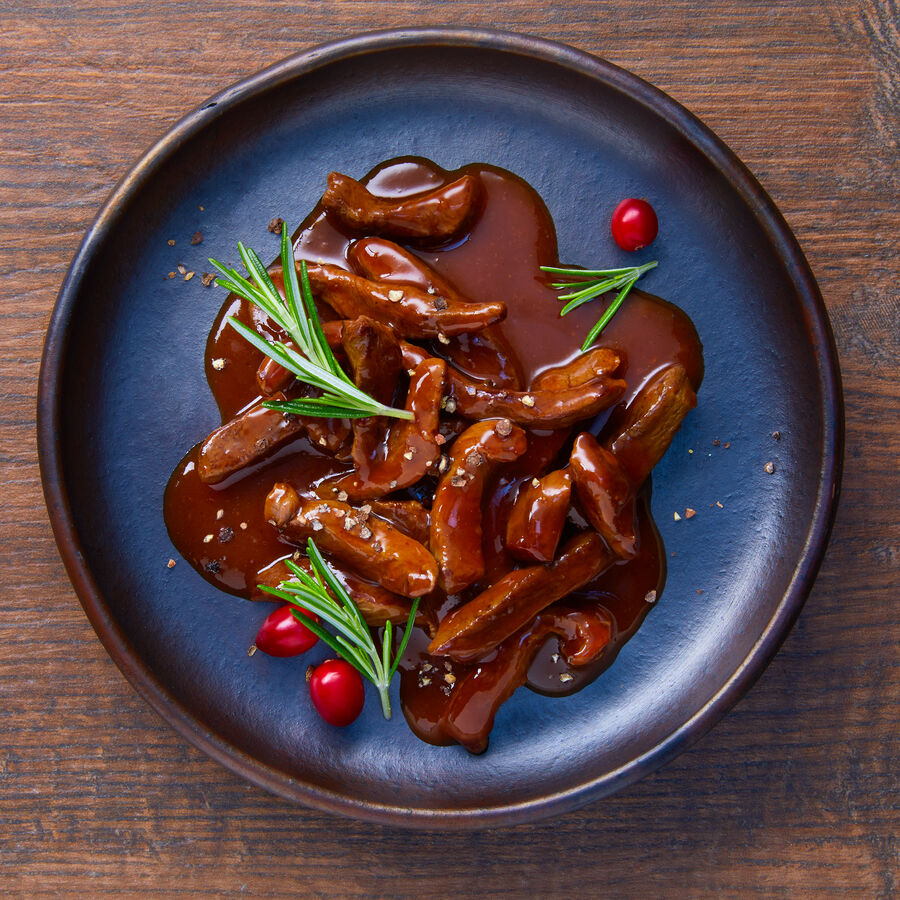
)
(794, 793)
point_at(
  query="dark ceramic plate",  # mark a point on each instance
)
(123, 395)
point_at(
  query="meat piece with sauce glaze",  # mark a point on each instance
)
(607, 495)
(249, 437)
(456, 512)
(651, 421)
(370, 545)
(435, 215)
(536, 521)
(412, 312)
(477, 627)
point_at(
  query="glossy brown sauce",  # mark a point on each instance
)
(220, 529)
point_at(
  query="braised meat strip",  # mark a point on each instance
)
(476, 628)
(247, 438)
(437, 214)
(538, 517)
(368, 544)
(412, 312)
(456, 514)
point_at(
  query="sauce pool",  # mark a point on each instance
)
(221, 531)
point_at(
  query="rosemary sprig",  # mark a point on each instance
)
(353, 640)
(296, 315)
(591, 283)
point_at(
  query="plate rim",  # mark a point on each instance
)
(296, 66)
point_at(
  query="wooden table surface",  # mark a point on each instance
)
(794, 793)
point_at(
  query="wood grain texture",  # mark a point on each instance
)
(794, 793)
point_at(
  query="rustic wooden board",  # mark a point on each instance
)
(794, 793)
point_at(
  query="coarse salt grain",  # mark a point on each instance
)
(528, 400)
(207, 538)
(218, 364)
(395, 296)
(443, 338)
(650, 597)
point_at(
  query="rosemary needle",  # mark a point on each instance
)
(297, 316)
